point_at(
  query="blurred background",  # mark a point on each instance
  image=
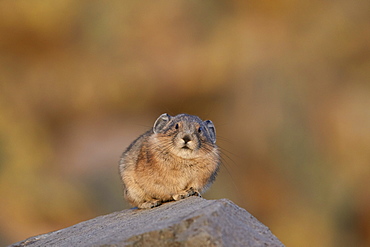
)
(287, 84)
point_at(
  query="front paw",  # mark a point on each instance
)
(186, 193)
(193, 192)
(149, 204)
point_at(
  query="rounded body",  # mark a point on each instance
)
(176, 159)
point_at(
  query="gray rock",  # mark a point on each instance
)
(190, 222)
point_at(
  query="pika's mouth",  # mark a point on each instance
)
(185, 147)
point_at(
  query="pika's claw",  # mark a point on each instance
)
(192, 192)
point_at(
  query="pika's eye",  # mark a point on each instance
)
(199, 129)
(176, 126)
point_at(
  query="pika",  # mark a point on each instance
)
(176, 159)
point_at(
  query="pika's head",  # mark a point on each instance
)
(185, 135)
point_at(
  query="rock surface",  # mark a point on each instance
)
(190, 222)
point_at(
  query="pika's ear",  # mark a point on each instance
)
(161, 122)
(211, 130)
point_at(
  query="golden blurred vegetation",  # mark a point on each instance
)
(287, 84)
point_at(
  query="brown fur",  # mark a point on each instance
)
(157, 167)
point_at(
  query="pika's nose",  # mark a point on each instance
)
(186, 139)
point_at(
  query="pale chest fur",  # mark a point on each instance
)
(166, 174)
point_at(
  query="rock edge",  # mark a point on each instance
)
(190, 222)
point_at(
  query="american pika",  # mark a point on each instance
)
(177, 158)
